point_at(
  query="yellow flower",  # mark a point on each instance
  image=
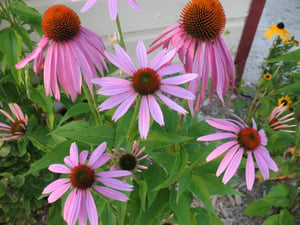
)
(267, 76)
(277, 30)
(285, 101)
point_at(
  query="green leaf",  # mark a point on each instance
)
(122, 129)
(11, 47)
(25, 36)
(75, 110)
(181, 209)
(158, 140)
(278, 196)
(258, 208)
(80, 131)
(54, 156)
(286, 218)
(198, 187)
(180, 164)
(55, 216)
(272, 220)
(160, 202)
(292, 56)
(143, 188)
(45, 102)
(184, 182)
(290, 87)
(27, 14)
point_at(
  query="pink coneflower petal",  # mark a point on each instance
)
(57, 193)
(141, 54)
(74, 154)
(223, 125)
(217, 136)
(233, 166)
(123, 108)
(7, 115)
(226, 160)
(144, 118)
(133, 4)
(170, 69)
(115, 184)
(114, 90)
(89, 4)
(125, 59)
(250, 171)
(181, 79)
(114, 173)
(101, 161)
(171, 104)
(75, 207)
(266, 155)
(97, 153)
(155, 110)
(83, 156)
(220, 150)
(108, 81)
(68, 204)
(263, 167)
(177, 91)
(111, 193)
(115, 100)
(263, 137)
(113, 9)
(54, 185)
(59, 168)
(91, 208)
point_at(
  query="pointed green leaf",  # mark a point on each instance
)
(75, 110)
(293, 56)
(181, 208)
(258, 208)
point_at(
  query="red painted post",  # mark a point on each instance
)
(249, 30)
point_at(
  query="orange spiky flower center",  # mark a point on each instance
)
(203, 19)
(145, 81)
(60, 23)
(127, 162)
(82, 176)
(249, 138)
(17, 127)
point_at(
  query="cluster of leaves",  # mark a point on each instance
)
(281, 203)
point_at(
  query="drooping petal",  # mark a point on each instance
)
(171, 104)
(115, 184)
(262, 165)
(250, 171)
(57, 193)
(102, 160)
(266, 155)
(155, 110)
(144, 118)
(55, 185)
(111, 193)
(123, 108)
(75, 207)
(91, 208)
(220, 150)
(114, 173)
(226, 160)
(177, 91)
(222, 125)
(74, 153)
(233, 166)
(263, 137)
(113, 9)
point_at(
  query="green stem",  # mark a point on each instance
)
(134, 116)
(120, 32)
(92, 103)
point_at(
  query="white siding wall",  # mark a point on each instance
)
(155, 17)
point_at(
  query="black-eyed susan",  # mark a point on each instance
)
(268, 76)
(285, 101)
(277, 30)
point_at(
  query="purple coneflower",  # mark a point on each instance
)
(198, 42)
(148, 82)
(112, 6)
(129, 161)
(17, 127)
(246, 140)
(277, 123)
(82, 178)
(72, 49)
(168, 222)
